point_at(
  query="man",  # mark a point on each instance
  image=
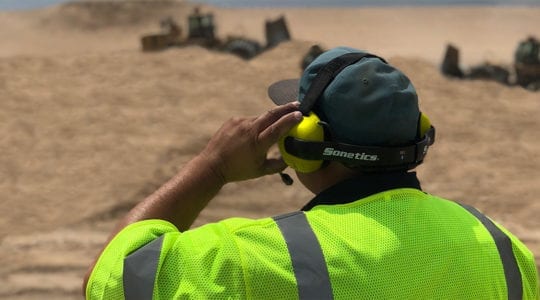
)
(370, 232)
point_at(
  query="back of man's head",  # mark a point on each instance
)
(361, 100)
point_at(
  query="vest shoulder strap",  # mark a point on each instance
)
(140, 269)
(306, 254)
(504, 246)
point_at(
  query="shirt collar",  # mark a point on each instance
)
(356, 188)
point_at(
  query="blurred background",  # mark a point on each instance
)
(102, 101)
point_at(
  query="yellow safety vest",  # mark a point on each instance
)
(396, 244)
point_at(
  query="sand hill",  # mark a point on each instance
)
(89, 124)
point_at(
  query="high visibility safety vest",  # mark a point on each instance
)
(386, 240)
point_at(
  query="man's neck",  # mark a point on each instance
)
(361, 186)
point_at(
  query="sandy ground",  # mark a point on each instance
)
(89, 124)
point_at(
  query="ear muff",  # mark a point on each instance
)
(308, 129)
(423, 125)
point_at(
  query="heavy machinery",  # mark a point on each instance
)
(201, 32)
(313, 52)
(525, 71)
(527, 63)
(171, 36)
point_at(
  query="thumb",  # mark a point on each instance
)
(273, 165)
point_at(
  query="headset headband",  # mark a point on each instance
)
(362, 156)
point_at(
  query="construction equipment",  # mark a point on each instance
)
(313, 52)
(201, 32)
(527, 63)
(171, 36)
(525, 71)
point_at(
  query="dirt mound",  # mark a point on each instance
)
(93, 15)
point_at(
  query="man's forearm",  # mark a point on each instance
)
(237, 151)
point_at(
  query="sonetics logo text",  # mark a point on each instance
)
(350, 155)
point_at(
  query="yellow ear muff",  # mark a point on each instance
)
(425, 125)
(310, 130)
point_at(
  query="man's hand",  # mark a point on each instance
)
(238, 150)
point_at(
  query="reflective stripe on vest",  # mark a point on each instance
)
(140, 269)
(306, 255)
(504, 246)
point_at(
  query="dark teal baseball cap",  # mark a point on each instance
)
(368, 103)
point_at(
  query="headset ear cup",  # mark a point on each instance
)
(424, 125)
(310, 130)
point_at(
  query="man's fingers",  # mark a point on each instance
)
(272, 133)
(273, 115)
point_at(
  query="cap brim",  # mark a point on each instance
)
(284, 91)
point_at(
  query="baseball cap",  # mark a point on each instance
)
(369, 103)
